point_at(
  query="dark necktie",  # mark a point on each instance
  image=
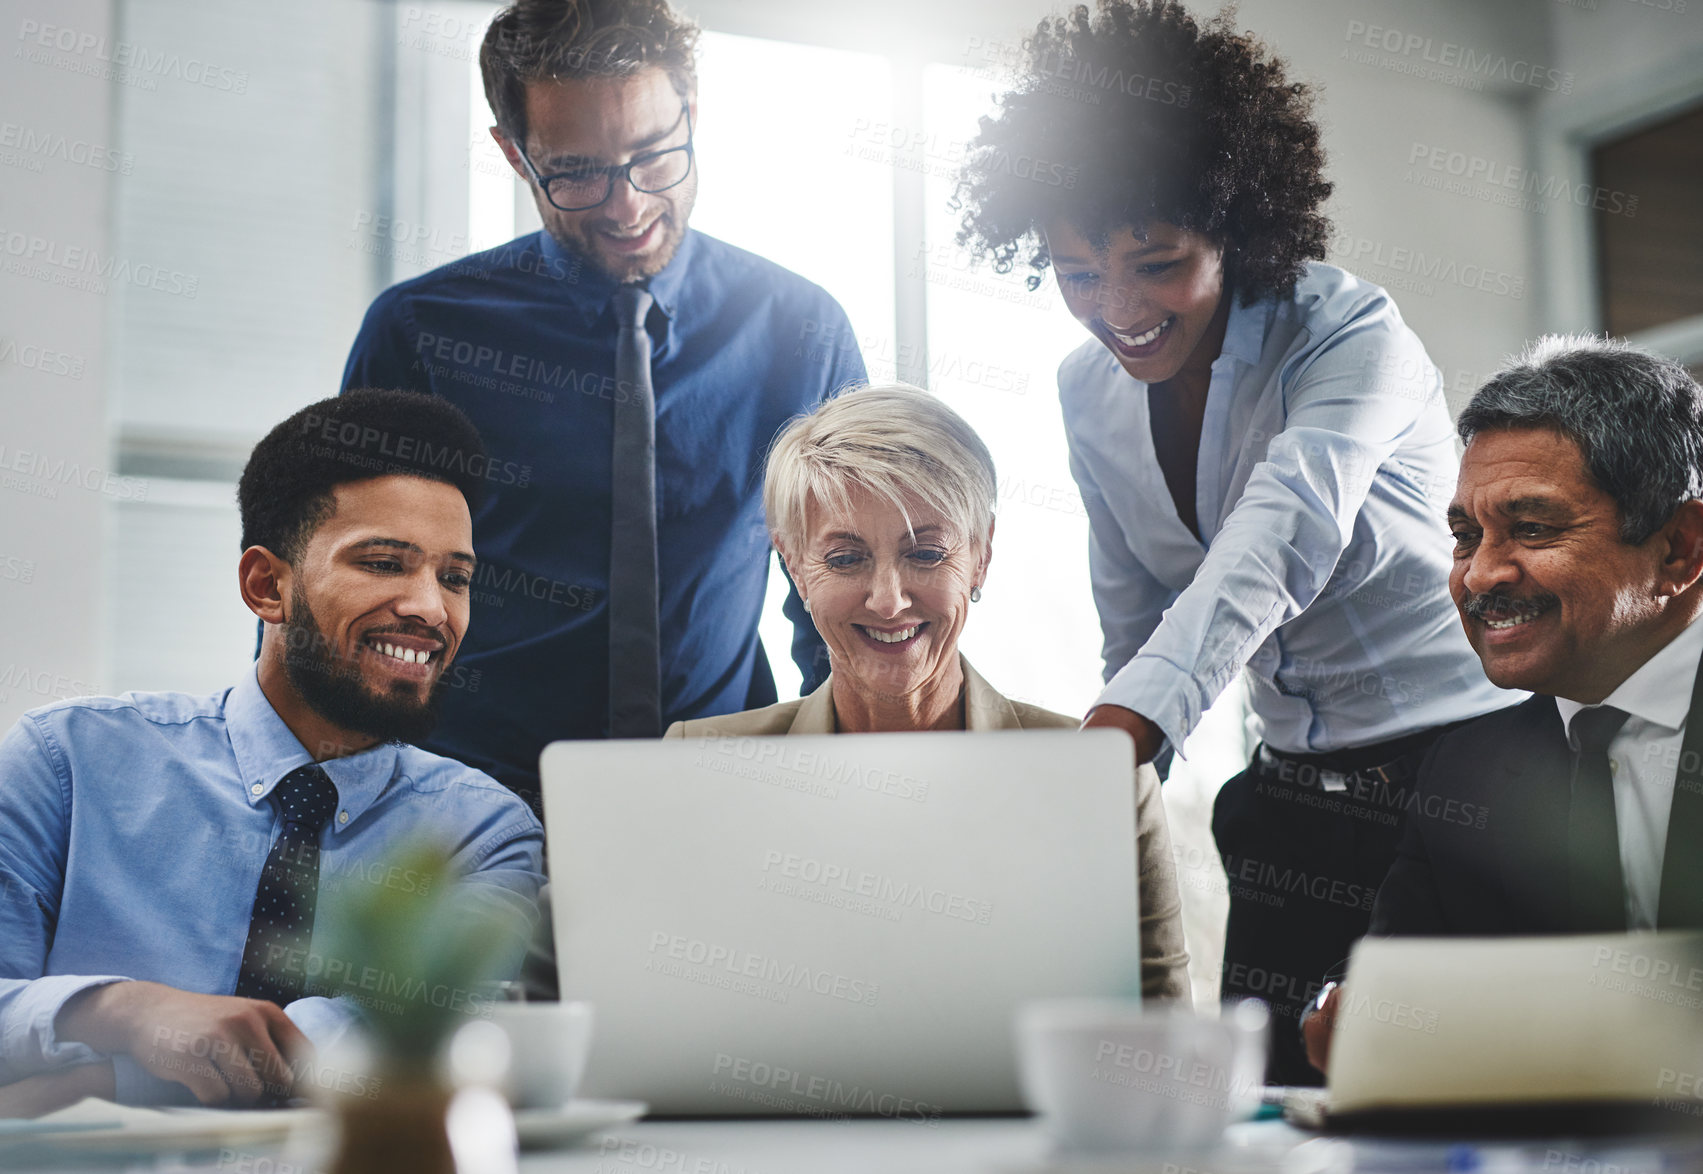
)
(1596, 884)
(274, 962)
(1681, 904)
(635, 706)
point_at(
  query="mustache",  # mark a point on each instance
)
(411, 630)
(1502, 605)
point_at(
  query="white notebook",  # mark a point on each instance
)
(1480, 1023)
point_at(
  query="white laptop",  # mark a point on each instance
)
(836, 925)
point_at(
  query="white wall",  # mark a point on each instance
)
(56, 136)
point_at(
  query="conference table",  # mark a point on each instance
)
(987, 1145)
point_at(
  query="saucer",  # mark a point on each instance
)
(578, 1119)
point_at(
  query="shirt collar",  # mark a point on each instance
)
(590, 289)
(266, 751)
(1659, 691)
(665, 287)
(1244, 333)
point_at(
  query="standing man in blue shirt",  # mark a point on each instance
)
(163, 856)
(636, 370)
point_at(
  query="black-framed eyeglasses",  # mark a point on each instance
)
(586, 187)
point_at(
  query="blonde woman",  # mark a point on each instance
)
(880, 503)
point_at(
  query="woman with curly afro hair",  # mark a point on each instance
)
(1263, 449)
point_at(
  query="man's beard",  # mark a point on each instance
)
(336, 691)
(584, 243)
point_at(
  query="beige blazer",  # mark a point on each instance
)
(1164, 961)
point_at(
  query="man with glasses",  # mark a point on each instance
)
(628, 374)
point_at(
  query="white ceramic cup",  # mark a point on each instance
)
(548, 1046)
(1106, 1075)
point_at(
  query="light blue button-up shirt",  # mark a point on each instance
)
(133, 830)
(1326, 464)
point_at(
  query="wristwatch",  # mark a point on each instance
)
(1317, 1003)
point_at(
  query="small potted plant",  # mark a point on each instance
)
(417, 952)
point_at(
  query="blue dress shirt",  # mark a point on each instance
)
(1326, 463)
(522, 338)
(132, 834)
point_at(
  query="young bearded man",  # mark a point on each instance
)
(632, 373)
(1578, 574)
(162, 856)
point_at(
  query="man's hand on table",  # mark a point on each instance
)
(1148, 737)
(1319, 1024)
(225, 1050)
(47, 1091)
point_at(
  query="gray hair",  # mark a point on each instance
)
(1636, 417)
(898, 442)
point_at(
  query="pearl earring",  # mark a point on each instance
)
(975, 595)
(806, 607)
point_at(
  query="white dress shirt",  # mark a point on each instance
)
(1326, 463)
(1643, 760)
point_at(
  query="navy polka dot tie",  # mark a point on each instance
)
(275, 961)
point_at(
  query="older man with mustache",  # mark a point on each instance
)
(1578, 554)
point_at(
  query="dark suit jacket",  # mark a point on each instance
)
(1484, 849)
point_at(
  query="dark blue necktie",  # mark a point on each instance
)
(274, 962)
(635, 709)
(1596, 882)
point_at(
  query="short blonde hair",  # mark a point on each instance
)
(898, 442)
